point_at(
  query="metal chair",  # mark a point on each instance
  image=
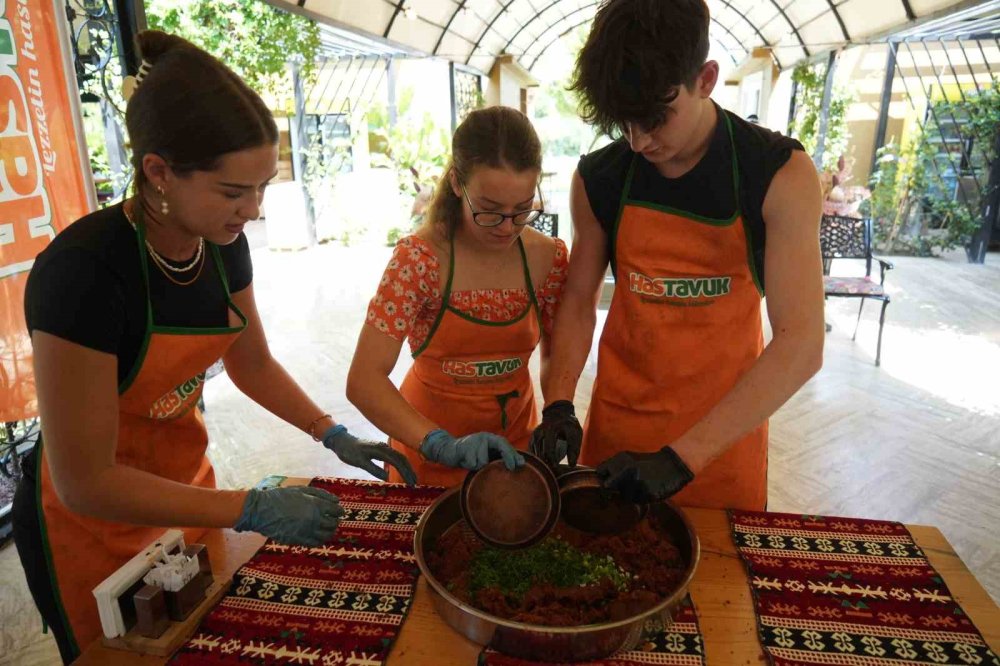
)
(851, 238)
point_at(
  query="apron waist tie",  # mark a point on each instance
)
(503, 400)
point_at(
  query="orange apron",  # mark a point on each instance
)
(160, 431)
(683, 327)
(470, 376)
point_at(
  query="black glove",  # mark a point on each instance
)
(645, 477)
(559, 434)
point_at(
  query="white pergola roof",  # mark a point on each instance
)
(475, 32)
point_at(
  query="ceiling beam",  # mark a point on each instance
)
(840, 20)
(395, 13)
(447, 26)
(713, 19)
(795, 29)
(489, 27)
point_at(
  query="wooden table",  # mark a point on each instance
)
(719, 590)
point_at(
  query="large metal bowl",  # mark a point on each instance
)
(541, 643)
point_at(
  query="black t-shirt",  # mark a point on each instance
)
(707, 189)
(87, 287)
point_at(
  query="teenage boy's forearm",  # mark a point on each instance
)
(572, 337)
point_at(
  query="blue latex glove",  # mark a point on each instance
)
(297, 515)
(469, 452)
(360, 453)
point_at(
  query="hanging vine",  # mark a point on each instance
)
(810, 81)
(913, 205)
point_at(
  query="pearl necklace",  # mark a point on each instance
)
(163, 262)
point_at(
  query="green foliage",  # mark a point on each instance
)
(913, 207)
(809, 98)
(394, 235)
(553, 561)
(979, 113)
(811, 80)
(323, 160)
(884, 200)
(253, 38)
(556, 114)
(900, 178)
(107, 181)
(417, 147)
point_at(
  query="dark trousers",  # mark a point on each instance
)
(31, 550)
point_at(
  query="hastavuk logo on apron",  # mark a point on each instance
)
(496, 368)
(184, 395)
(663, 288)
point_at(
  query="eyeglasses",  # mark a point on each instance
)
(632, 131)
(493, 219)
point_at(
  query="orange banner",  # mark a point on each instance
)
(42, 184)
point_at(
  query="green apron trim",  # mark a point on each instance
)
(140, 238)
(528, 282)
(444, 302)
(613, 250)
(176, 330)
(738, 213)
(47, 551)
(133, 373)
(485, 322)
(685, 214)
(446, 297)
(751, 261)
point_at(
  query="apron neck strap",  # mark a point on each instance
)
(735, 161)
(527, 273)
(140, 229)
(217, 258)
(451, 271)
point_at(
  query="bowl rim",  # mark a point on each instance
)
(547, 477)
(440, 589)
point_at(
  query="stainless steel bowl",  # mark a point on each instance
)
(541, 643)
(586, 505)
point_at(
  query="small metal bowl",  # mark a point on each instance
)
(511, 509)
(589, 507)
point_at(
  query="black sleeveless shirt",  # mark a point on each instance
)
(707, 189)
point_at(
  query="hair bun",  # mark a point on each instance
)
(152, 44)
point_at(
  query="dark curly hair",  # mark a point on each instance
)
(638, 54)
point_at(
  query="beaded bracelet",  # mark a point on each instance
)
(313, 425)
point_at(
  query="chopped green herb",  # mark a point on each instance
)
(552, 561)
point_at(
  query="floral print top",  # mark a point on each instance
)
(409, 295)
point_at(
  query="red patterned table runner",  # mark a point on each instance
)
(679, 645)
(848, 591)
(341, 604)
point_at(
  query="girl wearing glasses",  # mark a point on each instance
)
(473, 291)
